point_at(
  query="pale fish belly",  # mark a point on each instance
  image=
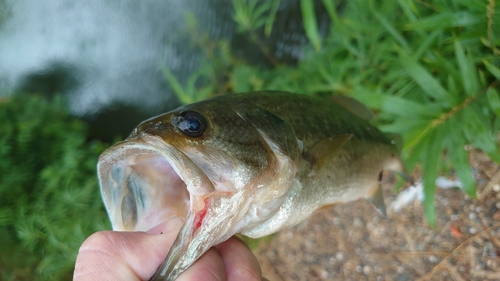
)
(350, 173)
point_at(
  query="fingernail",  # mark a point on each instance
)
(166, 226)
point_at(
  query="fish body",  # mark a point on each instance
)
(251, 163)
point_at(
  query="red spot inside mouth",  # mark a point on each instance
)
(198, 220)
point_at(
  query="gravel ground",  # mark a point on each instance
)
(354, 242)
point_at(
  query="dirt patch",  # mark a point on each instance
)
(355, 242)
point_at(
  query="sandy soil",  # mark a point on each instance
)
(355, 242)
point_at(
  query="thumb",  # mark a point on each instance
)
(112, 255)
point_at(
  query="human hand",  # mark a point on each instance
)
(111, 255)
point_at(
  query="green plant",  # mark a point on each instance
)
(50, 199)
(428, 69)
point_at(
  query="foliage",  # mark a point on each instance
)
(50, 198)
(429, 69)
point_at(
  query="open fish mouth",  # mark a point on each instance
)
(145, 181)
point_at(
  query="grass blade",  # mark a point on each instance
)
(270, 18)
(467, 70)
(392, 31)
(424, 79)
(459, 157)
(424, 46)
(445, 20)
(430, 165)
(176, 86)
(492, 69)
(310, 23)
(478, 132)
(404, 107)
(494, 100)
(332, 12)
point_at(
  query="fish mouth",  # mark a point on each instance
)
(146, 181)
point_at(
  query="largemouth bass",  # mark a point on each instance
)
(251, 163)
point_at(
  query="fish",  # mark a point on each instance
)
(249, 163)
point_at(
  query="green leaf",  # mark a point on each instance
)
(424, 46)
(494, 100)
(478, 133)
(492, 69)
(414, 155)
(392, 31)
(445, 20)
(407, 126)
(424, 79)
(176, 86)
(460, 160)
(310, 24)
(409, 9)
(467, 70)
(257, 19)
(431, 160)
(270, 18)
(332, 12)
(457, 156)
(404, 107)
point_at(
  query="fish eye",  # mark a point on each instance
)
(192, 124)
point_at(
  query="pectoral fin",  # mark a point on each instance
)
(324, 149)
(377, 199)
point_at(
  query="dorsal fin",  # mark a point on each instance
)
(321, 151)
(353, 106)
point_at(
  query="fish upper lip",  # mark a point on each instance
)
(124, 155)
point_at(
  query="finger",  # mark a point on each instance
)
(110, 255)
(239, 261)
(209, 267)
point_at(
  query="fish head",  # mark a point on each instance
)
(207, 163)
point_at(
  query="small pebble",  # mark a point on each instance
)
(331, 260)
(401, 269)
(358, 222)
(479, 209)
(339, 256)
(472, 216)
(496, 187)
(497, 205)
(324, 274)
(472, 230)
(433, 259)
(359, 268)
(454, 217)
(367, 269)
(492, 264)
